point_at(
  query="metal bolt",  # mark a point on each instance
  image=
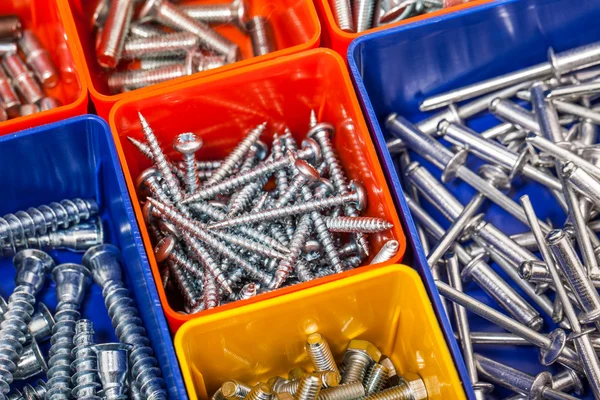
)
(169, 15)
(170, 44)
(345, 391)
(261, 35)
(235, 12)
(363, 11)
(113, 368)
(235, 389)
(358, 357)
(142, 30)
(129, 80)
(320, 354)
(114, 33)
(309, 387)
(10, 100)
(411, 387)
(342, 11)
(85, 364)
(71, 283)
(188, 144)
(376, 379)
(22, 79)
(38, 58)
(103, 263)
(10, 27)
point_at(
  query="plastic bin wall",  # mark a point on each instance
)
(42, 17)
(221, 108)
(295, 25)
(387, 306)
(395, 70)
(77, 158)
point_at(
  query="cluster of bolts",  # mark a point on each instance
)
(362, 15)
(553, 145)
(169, 41)
(27, 70)
(225, 231)
(364, 374)
(76, 367)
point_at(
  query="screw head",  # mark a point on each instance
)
(20, 260)
(164, 248)
(262, 150)
(147, 212)
(239, 10)
(361, 195)
(317, 155)
(307, 171)
(322, 129)
(149, 10)
(103, 262)
(71, 281)
(363, 347)
(146, 176)
(187, 143)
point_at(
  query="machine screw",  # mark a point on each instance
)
(85, 363)
(376, 379)
(234, 389)
(235, 13)
(170, 44)
(309, 387)
(320, 354)
(142, 30)
(188, 144)
(113, 369)
(411, 387)
(103, 262)
(38, 58)
(114, 33)
(359, 356)
(363, 14)
(352, 390)
(261, 35)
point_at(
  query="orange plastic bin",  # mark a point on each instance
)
(295, 25)
(42, 17)
(222, 108)
(335, 38)
(386, 306)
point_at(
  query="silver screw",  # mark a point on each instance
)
(71, 283)
(114, 33)
(376, 380)
(38, 59)
(387, 251)
(357, 224)
(235, 389)
(165, 249)
(188, 144)
(261, 35)
(342, 12)
(135, 79)
(207, 260)
(10, 100)
(22, 79)
(113, 368)
(142, 30)
(85, 364)
(37, 392)
(260, 391)
(103, 262)
(345, 391)
(235, 12)
(309, 387)
(248, 291)
(170, 44)
(211, 298)
(411, 387)
(363, 12)
(285, 266)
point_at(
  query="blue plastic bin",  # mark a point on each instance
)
(77, 158)
(396, 69)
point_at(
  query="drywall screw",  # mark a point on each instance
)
(188, 144)
(357, 197)
(103, 262)
(345, 391)
(309, 387)
(22, 79)
(165, 249)
(169, 15)
(235, 13)
(10, 27)
(387, 252)
(32, 266)
(142, 30)
(234, 389)
(38, 59)
(538, 387)
(261, 35)
(167, 44)
(113, 368)
(37, 392)
(148, 183)
(281, 177)
(363, 11)
(411, 387)
(71, 283)
(552, 346)
(320, 354)
(305, 174)
(376, 379)
(358, 357)
(10, 100)
(85, 364)
(287, 264)
(582, 181)
(114, 33)
(31, 362)
(490, 151)
(558, 64)
(357, 224)
(211, 298)
(247, 291)
(342, 10)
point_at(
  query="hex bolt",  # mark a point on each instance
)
(22, 79)
(10, 100)
(358, 357)
(85, 364)
(320, 354)
(235, 13)
(411, 387)
(538, 387)
(31, 362)
(342, 11)
(142, 30)
(71, 283)
(552, 346)
(261, 35)
(10, 27)
(235, 389)
(352, 390)
(103, 262)
(188, 144)
(560, 63)
(170, 44)
(37, 392)
(387, 252)
(38, 58)
(112, 40)
(309, 387)
(32, 266)
(376, 380)
(113, 368)
(169, 15)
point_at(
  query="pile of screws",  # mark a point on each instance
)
(555, 145)
(362, 15)
(224, 231)
(26, 68)
(76, 368)
(166, 41)
(364, 373)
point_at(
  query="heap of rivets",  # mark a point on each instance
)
(27, 71)
(555, 145)
(222, 234)
(367, 374)
(164, 41)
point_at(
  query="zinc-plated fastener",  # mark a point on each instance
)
(235, 12)
(113, 36)
(188, 144)
(169, 44)
(38, 58)
(261, 35)
(22, 79)
(31, 362)
(358, 357)
(411, 387)
(352, 390)
(113, 368)
(387, 252)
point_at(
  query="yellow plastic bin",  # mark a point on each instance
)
(387, 306)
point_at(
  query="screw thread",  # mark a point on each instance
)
(12, 333)
(142, 30)
(303, 272)
(352, 390)
(363, 11)
(208, 261)
(235, 389)
(114, 33)
(281, 178)
(286, 265)
(190, 175)
(357, 224)
(248, 291)
(308, 388)
(292, 190)
(228, 165)
(182, 261)
(208, 165)
(59, 372)
(320, 354)
(376, 379)
(387, 251)
(245, 196)
(211, 294)
(401, 392)
(261, 35)
(356, 366)
(210, 13)
(290, 386)
(343, 16)
(85, 365)
(184, 283)
(148, 63)
(135, 79)
(37, 392)
(259, 392)
(277, 231)
(129, 329)
(250, 245)
(176, 43)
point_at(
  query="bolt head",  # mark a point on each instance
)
(71, 282)
(307, 171)
(317, 155)
(164, 248)
(363, 347)
(103, 262)
(149, 10)
(187, 143)
(361, 195)
(416, 385)
(387, 362)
